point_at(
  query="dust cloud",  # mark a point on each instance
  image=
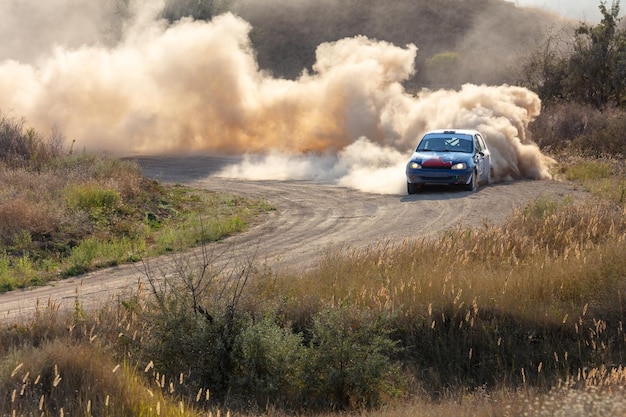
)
(195, 87)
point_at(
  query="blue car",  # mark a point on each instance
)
(453, 157)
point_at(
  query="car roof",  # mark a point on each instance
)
(470, 132)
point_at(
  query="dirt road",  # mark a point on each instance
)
(310, 218)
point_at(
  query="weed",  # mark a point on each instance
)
(589, 170)
(93, 198)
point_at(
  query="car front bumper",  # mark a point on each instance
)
(438, 176)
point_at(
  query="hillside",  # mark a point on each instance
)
(486, 37)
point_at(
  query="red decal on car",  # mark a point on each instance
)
(436, 162)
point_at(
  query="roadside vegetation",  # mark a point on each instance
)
(522, 317)
(64, 213)
(519, 318)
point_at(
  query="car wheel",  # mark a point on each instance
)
(473, 184)
(411, 188)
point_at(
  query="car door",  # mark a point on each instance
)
(479, 159)
(486, 156)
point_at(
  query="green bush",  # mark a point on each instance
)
(7, 276)
(269, 363)
(82, 257)
(93, 198)
(17, 272)
(343, 358)
(350, 364)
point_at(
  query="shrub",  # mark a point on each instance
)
(35, 218)
(82, 257)
(8, 281)
(350, 364)
(559, 124)
(606, 135)
(340, 357)
(24, 147)
(269, 364)
(581, 129)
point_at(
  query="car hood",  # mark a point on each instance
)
(440, 159)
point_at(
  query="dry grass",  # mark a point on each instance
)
(531, 301)
(580, 128)
(551, 252)
(523, 318)
(82, 212)
(56, 364)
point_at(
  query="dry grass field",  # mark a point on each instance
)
(522, 318)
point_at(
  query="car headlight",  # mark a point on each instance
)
(460, 165)
(415, 165)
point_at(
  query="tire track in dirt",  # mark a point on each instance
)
(310, 218)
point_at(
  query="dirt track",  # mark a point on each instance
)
(310, 218)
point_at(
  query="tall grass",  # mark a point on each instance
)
(604, 178)
(528, 312)
(66, 376)
(531, 301)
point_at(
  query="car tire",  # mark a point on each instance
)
(411, 188)
(473, 184)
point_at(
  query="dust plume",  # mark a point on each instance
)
(32, 29)
(195, 86)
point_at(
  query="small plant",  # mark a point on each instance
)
(8, 279)
(23, 240)
(99, 202)
(83, 256)
(542, 207)
(589, 170)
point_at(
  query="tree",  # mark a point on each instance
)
(544, 68)
(597, 66)
(589, 68)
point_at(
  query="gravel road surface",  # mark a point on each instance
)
(310, 218)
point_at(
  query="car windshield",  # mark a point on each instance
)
(445, 144)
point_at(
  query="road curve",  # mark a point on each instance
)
(310, 218)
